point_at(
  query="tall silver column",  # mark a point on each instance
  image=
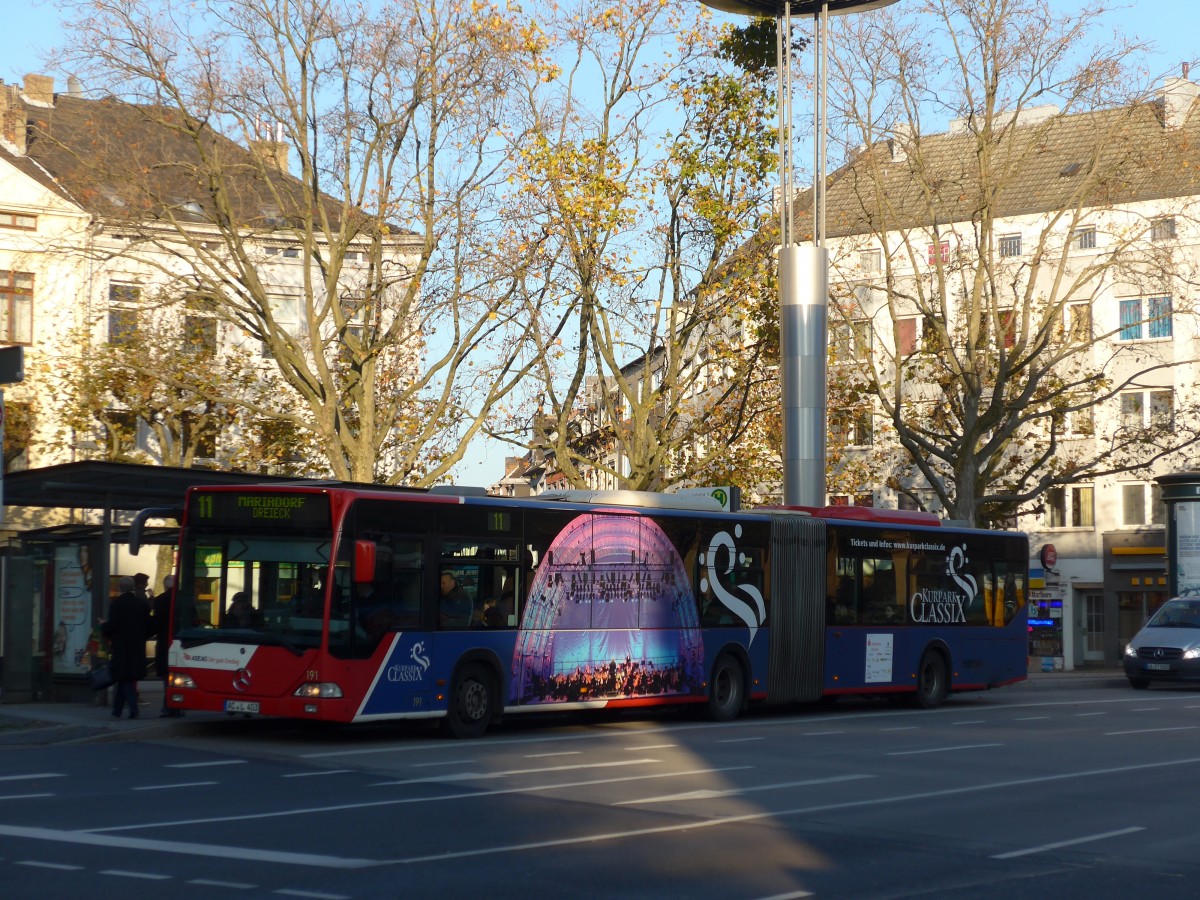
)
(803, 302)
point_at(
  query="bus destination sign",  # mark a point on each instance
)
(242, 508)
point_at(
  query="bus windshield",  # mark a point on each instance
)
(252, 587)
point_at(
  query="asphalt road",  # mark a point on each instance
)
(1065, 788)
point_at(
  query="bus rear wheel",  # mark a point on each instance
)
(931, 680)
(472, 702)
(727, 689)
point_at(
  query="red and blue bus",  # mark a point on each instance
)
(354, 604)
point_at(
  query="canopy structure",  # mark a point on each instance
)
(798, 7)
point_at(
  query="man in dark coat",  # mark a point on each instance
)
(127, 627)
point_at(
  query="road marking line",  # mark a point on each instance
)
(123, 873)
(942, 749)
(914, 727)
(745, 740)
(1030, 718)
(651, 747)
(202, 765)
(404, 801)
(477, 776)
(794, 895)
(558, 753)
(169, 787)
(1149, 730)
(970, 722)
(709, 794)
(235, 885)
(316, 774)
(820, 733)
(1085, 715)
(1057, 845)
(25, 796)
(186, 848)
(444, 762)
(33, 776)
(48, 865)
(287, 892)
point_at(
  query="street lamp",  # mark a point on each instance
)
(803, 271)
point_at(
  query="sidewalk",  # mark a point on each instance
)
(66, 723)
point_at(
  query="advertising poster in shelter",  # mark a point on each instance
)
(1187, 549)
(72, 609)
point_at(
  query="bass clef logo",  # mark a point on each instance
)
(418, 656)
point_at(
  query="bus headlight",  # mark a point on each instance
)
(181, 680)
(324, 690)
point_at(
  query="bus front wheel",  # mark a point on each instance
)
(727, 689)
(472, 702)
(931, 680)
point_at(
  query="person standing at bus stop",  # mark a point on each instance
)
(127, 627)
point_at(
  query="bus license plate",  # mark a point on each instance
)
(242, 706)
(1159, 667)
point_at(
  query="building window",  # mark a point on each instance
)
(1155, 325)
(1079, 323)
(851, 500)
(284, 311)
(1071, 507)
(1141, 504)
(939, 252)
(852, 428)
(123, 301)
(16, 308)
(1081, 422)
(870, 261)
(1148, 409)
(1084, 238)
(906, 336)
(850, 340)
(1010, 245)
(199, 335)
(1008, 327)
(1162, 228)
(19, 221)
(199, 433)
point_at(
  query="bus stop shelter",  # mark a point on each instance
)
(55, 578)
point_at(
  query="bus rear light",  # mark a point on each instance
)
(181, 680)
(319, 690)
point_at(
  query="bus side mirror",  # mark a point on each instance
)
(364, 562)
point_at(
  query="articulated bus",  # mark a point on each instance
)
(352, 604)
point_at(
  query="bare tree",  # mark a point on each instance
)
(375, 170)
(648, 170)
(979, 257)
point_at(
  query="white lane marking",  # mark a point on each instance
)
(558, 753)
(203, 765)
(970, 722)
(123, 873)
(187, 848)
(1145, 709)
(820, 733)
(1030, 718)
(651, 747)
(314, 894)
(404, 801)
(911, 727)
(1057, 845)
(234, 885)
(443, 762)
(171, 787)
(745, 740)
(1150, 730)
(794, 895)
(32, 777)
(37, 863)
(25, 796)
(695, 824)
(710, 793)
(1085, 715)
(316, 774)
(479, 776)
(942, 749)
